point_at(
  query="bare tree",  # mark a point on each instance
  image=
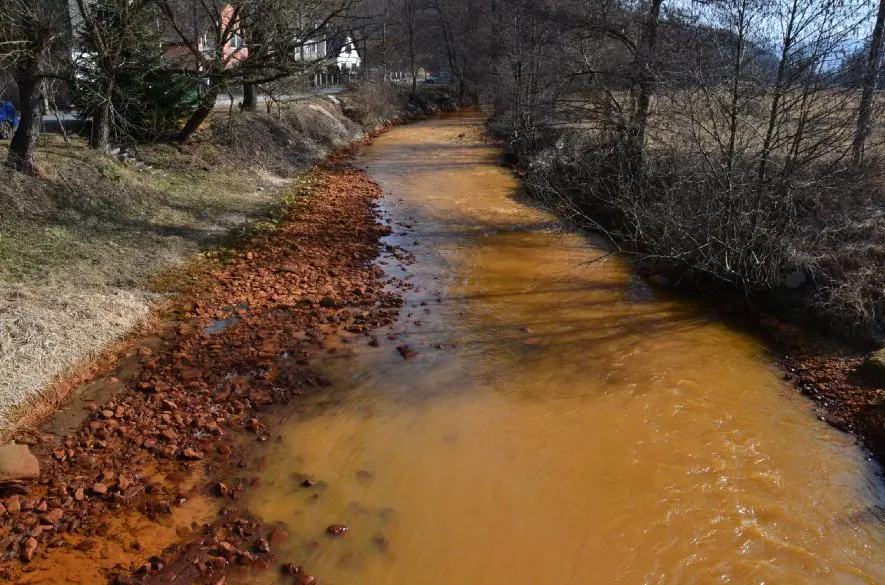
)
(871, 76)
(253, 38)
(212, 33)
(34, 34)
(106, 28)
(460, 25)
(643, 85)
(407, 14)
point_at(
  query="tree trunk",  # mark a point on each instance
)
(250, 97)
(644, 85)
(865, 109)
(23, 148)
(779, 92)
(734, 105)
(100, 137)
(204, 108)
(101, 119)
(448, 39)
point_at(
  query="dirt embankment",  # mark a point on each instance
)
(81, 246)
(163, 429)
(165, 457)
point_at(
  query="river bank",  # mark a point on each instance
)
(824, 349)
(836, 377)
(111, 460)
(89, 249)
(170, 446)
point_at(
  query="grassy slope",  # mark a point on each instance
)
(80, 244)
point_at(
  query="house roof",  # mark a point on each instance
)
(336, 43)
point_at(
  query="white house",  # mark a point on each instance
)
(312, 51)
(338, 51)
(347, 58)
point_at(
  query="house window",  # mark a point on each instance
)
(236, 42)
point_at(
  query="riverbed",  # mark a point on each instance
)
(539, 415)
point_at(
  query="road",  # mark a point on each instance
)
(72, 123)
(224, 101)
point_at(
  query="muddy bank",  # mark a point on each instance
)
(835, 376)
(168, 445)
(83, 245)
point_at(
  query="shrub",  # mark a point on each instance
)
(149, 99)
(821, 248)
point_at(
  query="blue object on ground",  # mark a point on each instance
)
(9, 119)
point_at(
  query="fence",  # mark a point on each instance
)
(333, 78)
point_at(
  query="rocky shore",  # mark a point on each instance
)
(146, 488)
(847, 385)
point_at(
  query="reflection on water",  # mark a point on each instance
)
(561, 424)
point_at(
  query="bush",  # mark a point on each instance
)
(371, 104)
(821, 248)
(153, 106)
(149, 100)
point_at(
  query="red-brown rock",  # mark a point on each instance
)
(54, 516)
(337, 530)
(17, 462)
(28, 549)
(13, 504)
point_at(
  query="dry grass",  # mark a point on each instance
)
(81, 246)
(810, 242)
(294, 135)
(46, 329)
(374, 103)
(25, 419)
